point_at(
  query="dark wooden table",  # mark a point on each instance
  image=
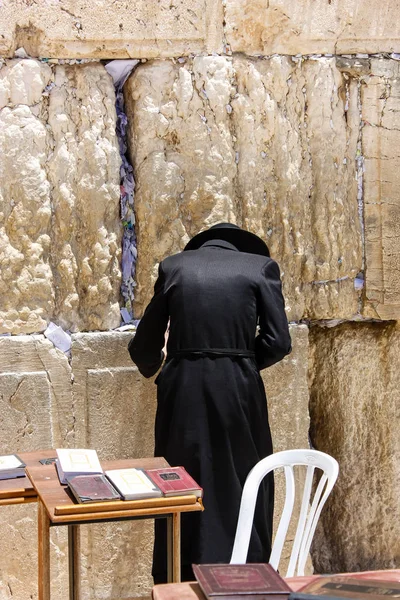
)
(57, 507)
(192, 591)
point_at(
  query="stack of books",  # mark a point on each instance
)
(81, 470)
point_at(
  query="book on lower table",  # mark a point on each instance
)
(11, 466)
(339, 587)
(256, 581)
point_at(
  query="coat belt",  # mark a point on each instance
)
(188, 352)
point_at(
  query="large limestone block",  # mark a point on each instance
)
(60, 233)
(35, 398)
(269, 144)
(354, 410)
(84, 172)
(311, 26)
(114, 411)
(380, 100)
(109, 29)
(35, 405)
(25, 200)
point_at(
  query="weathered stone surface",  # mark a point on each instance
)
(286, 387)
(287, 393)
(84, 173)
(35, 398)
(269, 144)
(35, 402)
(25, 200)
(380, 97)
(18, 547)
(311, 27)
(59, 198)
(114, 410)
(107, 29)
(354, 410)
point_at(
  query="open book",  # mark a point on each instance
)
(76, 461)
(11, 466)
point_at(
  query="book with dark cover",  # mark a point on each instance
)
(258, 581)
(11, 467)
(339, 586)
(92, 488)
(175, 481)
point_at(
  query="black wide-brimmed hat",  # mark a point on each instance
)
(243, 240)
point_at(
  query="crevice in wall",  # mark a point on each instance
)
(120, 71)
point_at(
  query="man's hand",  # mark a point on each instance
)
(165, 342)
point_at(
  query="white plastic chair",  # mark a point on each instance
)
(309, 512)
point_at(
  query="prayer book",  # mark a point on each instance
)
(175, 481)
(11, 466)
(92, 488)
(332, 587)
(133, 484)
(73, 461)
(258, 581)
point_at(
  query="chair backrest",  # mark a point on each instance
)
(309, 512)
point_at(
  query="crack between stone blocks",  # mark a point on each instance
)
(53, 394)
(239, 208)
(388, 89)
(225, 46)
(360, 194)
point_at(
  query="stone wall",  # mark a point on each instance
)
(281, 117)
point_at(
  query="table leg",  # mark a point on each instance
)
(74, 559)
(43, 553)
(176, 547)
(170, 549)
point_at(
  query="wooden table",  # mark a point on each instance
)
(191, 590)
(20, 489)
(57, 507)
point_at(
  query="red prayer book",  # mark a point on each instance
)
(175, 481)
(258, 581)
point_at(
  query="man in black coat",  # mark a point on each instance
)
(223, 300)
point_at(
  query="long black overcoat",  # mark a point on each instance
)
(212, 411)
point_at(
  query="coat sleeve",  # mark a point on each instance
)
(146, 346)
(273, 342)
